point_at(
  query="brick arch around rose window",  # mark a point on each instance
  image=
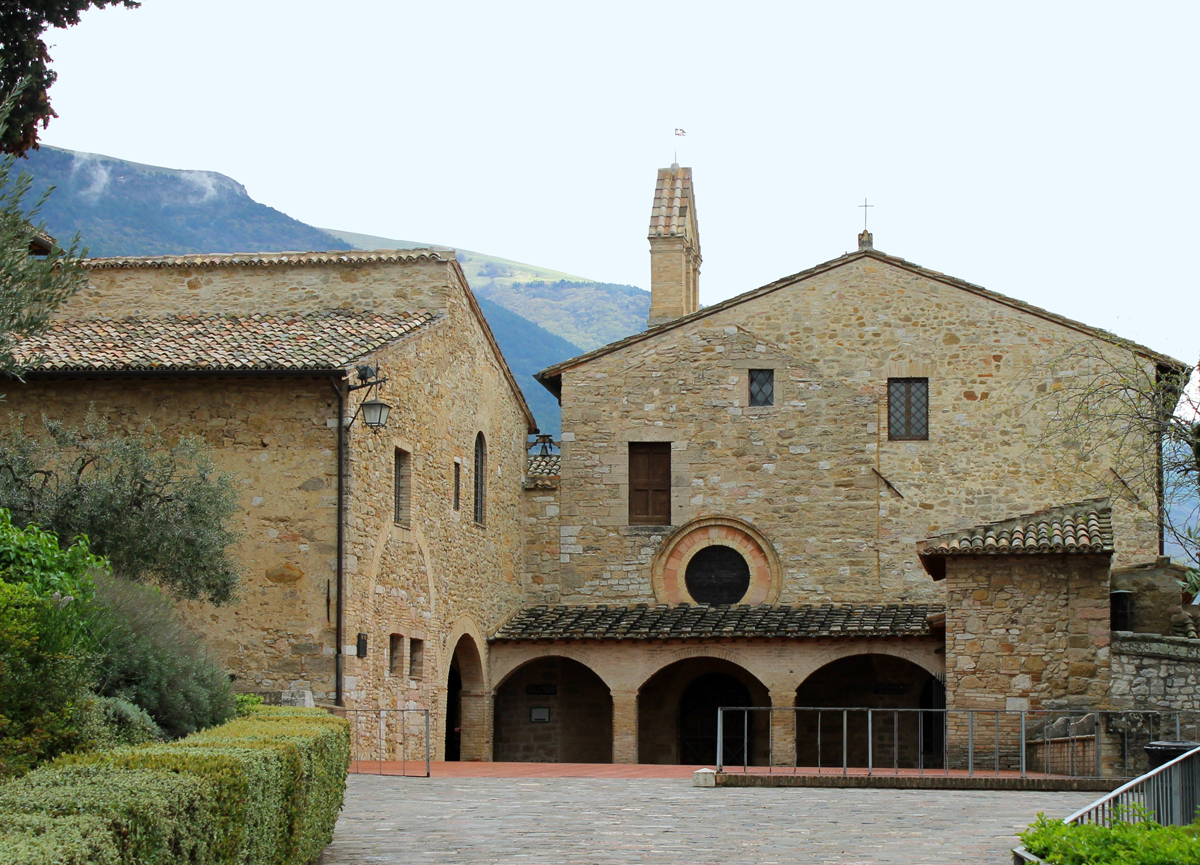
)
(669, 567)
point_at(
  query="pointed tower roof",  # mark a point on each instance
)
(674, 210)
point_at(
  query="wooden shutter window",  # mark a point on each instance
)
(650, 483)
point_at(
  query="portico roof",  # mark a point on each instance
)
(688, 621)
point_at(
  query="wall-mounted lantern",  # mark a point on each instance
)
(374, 411)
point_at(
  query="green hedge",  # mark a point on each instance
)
(264, 788)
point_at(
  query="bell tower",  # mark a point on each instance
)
(674, 247)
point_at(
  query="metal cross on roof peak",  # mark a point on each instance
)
(864, 206)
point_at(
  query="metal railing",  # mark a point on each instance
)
(1169, 795)
(399, 737)
(1047, 742)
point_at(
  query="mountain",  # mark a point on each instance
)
(125, 208)
(587, 313)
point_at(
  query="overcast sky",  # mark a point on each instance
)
(1043, 150)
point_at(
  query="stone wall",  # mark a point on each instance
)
(1155, 597)
(542, 541)
(815, 473)
(575, 704)
(278, 437)
(1027, 631)
(1150, 671)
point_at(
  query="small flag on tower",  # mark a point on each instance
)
(680, 133)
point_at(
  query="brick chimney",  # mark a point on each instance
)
(674, 247)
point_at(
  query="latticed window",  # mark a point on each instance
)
(480, 476)
(908, 409)
(762, 387)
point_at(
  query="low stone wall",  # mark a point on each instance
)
(1154, 672)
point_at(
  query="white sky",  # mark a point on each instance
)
(1043, 150)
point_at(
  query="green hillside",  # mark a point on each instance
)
(125, 208)
(586, 313)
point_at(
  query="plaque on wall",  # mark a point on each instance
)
(541, 690)
(539, 715)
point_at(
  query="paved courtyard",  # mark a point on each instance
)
(596, 821)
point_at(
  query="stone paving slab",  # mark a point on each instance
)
(606, 821)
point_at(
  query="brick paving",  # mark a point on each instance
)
(630, 821)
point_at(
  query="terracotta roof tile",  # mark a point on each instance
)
(1082, 527)
(674, 209)
(644, 622)
(543, 465)
(324, 340)
(265, 259)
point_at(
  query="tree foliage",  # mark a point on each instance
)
(1133, 423)
(23, 24)
(158, 512)
(31, 287)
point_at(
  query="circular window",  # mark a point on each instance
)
(717, 575)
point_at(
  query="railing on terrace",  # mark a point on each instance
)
(1057, 742)
(394, 741)
(1169, 795)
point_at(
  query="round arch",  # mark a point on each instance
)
(677, 712)
(553, 709)
(670, 563)
(466, 735)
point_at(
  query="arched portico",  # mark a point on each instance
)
(553, 710)
(677, 713)
(837, 696)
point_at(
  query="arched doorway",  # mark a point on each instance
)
(466, 717)
(903, 738)
(553, 710)
(677, 714)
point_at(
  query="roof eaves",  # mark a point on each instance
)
(550, 377)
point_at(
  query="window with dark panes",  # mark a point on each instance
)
(762, 387)
(650, 483)
(908, 409)
(395, 654)
(457, 483)
(480, 476)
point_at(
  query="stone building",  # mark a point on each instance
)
(828, 492)
(261, 356)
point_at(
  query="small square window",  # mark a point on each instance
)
(908, 409)
(762, 387)
(416, 659)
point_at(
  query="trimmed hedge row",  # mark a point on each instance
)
(265, 788)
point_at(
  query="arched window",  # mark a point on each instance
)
(480, 476)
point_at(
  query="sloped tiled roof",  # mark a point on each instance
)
(543, 465)
(319, 341)
(1082, 527)
(266, 259)
(549, 377)
(673, 213)
(644, 622)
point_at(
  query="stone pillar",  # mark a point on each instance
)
(625, 727)
(783, 728)
(475, 745)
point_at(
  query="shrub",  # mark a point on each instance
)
(275, 781)
(37, 839)
(152, 817)
(151, 659)
(246, 704)
(43, 681)
(1141, 843)
(110, 722)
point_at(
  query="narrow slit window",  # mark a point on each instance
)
(908, 409)
(416, 659)
(480, 476)
(403, 487)
(650, 483)
(457, 484)
(395, 654)
(762, 387)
